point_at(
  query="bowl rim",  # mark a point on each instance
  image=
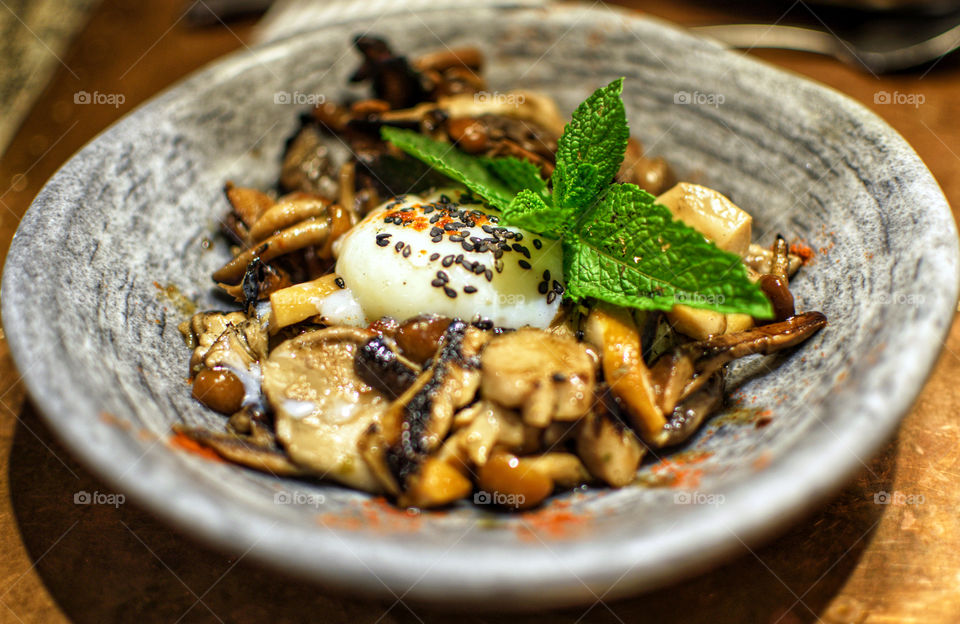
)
(557, 574)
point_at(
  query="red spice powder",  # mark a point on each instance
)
(677, 470)
(806, 254)
(554, 521)
(182, 442)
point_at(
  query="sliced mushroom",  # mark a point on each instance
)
(613, 332)
(243, 451)
(688, 415)
(417, 422)
(287, 212)
(304, 234)
(608, 447)
(307, 165)
(379, 364)
(649, 396)
(548, 377)
(321, 406)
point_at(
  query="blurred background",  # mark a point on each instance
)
(72, 67)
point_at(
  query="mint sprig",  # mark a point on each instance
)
(619, 245)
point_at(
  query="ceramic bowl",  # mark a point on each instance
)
(96, 338)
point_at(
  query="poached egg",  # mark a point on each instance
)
(446, 253)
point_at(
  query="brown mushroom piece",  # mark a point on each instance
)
(546, 376)
(311, 232)
(416, 424)
(321, 406)
(652, 396)
(307, 165)
(244, 451)
(607, 446)
(524, 482)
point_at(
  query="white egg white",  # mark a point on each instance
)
(398, 263)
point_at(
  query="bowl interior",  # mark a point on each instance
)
(95, 332)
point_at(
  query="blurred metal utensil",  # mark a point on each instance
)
(879, 45)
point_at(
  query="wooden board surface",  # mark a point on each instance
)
(851, 561)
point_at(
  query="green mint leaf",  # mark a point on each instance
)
(630, 251)
(518, 174)
(596, 136)
(529, 211)
(453, 163)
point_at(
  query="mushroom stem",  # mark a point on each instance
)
(306, 233)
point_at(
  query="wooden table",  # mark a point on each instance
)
(851, 561)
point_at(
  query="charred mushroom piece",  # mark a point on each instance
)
(382, 367)
(649, 396)
(321, 406)
(416, 423)
(608, 447)
(243, 451)
(547, 377)
(307, 165)
(394, 80)
(687, 416)
(613, 332)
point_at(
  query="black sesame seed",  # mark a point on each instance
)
(340, 283)
(435, 231)
(447, 260)
(537, 243)
(434, 256)
(546, 275)
(449, 292)
(498, 265)
(467, 245)
(487, 228)
(479, 268)
(435, 218)
(399, 246)
(524, 264)
(442, 275)
(459, 258)
(557, 287)
(407, 251)
(436, 239)
(551, 296)
(543, 287)
(382, 239)
(436, 283)
(488, 274)
(469, 289)
(456, 238)
(445, 200)
(519, 236)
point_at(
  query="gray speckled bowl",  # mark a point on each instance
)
(102, 357)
